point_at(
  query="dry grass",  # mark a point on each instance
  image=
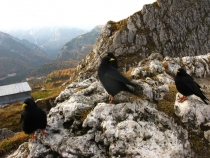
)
(84, 114)
(10, 117)
(50, 93)
(128, 73)
(7, 145)
(167, 104)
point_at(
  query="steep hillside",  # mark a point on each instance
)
(52, 66)
(49, 39)
(79, 47)
(14, 56)
(30, 45)
(171, 28)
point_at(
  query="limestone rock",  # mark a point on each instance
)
(172, 28)
(21, 152)
(84, 126)
(5, 133)
(193, 112)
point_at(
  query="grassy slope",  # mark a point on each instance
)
(10, 115)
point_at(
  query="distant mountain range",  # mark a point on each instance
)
(49, 39)
(79, 47)
(19, 55)
(21, 58)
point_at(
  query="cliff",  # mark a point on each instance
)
(175, 28)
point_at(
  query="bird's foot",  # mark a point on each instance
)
(33, 137)
(44, 132)
(182, 99)
(111, 100)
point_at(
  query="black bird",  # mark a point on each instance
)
(112, 80)
(186, 85)
(33, 118)
(114, 63)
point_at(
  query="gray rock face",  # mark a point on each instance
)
(21, 152)
(194, 114)
(5, 133)
(132, 128)
(173, 28)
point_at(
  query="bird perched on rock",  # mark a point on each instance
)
(33, 118)
(186, 85)
(112, 80)
(114, 63)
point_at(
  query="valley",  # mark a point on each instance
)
(32, 54)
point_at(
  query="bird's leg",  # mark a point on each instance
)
(111, 100)
(44, 132)
(33, 137)
(182, 99)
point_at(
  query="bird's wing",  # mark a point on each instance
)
(116, 75)
(192, 85)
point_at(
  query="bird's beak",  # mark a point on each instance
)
(177, 70)
(24, 105)
(112, 59)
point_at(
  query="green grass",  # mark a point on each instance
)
(46, 94)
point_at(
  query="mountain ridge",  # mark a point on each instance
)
(154, 29)
(79, 47)
(12, 52)
(49, 39)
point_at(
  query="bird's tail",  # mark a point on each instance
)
(205, 100)
(203, 97)
(136, 89)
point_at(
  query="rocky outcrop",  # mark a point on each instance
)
(5, 133)
(82, 124)
(172, 28)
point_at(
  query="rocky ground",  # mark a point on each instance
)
(82, 124)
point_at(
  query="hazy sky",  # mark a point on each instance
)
(77, 13)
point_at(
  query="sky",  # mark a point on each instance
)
(25, 14)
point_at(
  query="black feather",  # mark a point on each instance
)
(186, 85)
(112, 80)
(33, 117)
